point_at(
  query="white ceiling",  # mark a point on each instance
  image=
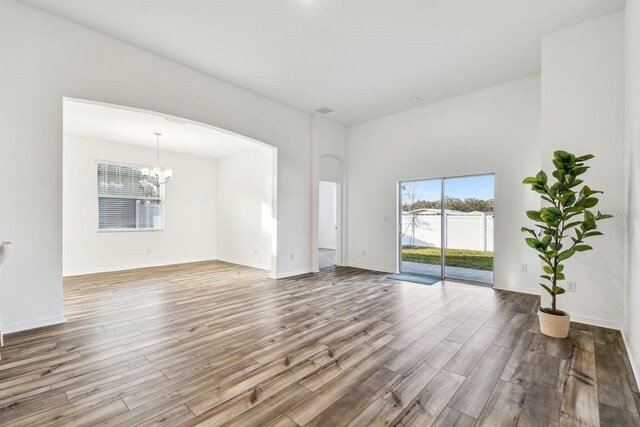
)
(362, 58)
(137, 128)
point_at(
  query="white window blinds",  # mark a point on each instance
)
(127, 200)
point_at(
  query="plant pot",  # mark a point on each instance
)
(554, 325)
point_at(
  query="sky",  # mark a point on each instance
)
(479, 187)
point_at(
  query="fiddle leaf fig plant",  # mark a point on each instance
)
(562, 226)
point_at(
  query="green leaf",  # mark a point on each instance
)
(550, 215)
(574, 209)
(545, 276)
(589, 202)
(547, 269)
(600, 216)
(534, 215)
(559, 268)
(559, 174)
(585, 157)
(592, 233)
(559, 276)
(580, 170)
(572, 224)
(529, 180)
(563, 156)
(528, 230)
(566, 254)
(543, 258)
(532, 242)
(582, 248)
(541, 178)
(558, 290)
(545, 241)
(546, 288)
(575, 183)
(538, 188)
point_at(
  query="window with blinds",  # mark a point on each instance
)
(127, 200)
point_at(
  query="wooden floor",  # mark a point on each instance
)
(216, 344)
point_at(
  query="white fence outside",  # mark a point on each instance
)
(473, 231)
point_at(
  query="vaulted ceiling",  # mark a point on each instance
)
(361, 58)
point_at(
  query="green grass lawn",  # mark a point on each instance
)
(478, 260)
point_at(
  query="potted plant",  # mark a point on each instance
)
(566, 213)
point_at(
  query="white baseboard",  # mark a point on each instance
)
(32, 324)
(245, 263)
(372, 268)
(634, 365)
(290, 274)
(525, 290)
(596, 321)
(133, 266)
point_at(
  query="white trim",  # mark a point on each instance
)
(32, 324)
(290, 274)
(632, 360)
(246, 264)
(527, 290)
(596, 321)
(134, 267)
(371, 268)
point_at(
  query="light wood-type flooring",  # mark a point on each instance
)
(218, 344)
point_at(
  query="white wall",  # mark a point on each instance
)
(189, 211)
(493, 130)
(632, 57)
(244, 208)
(46, 59)
(327, 215)
(583, 112)
(328, 162)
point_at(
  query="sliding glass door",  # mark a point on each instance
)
(421, 225)
(446, 227)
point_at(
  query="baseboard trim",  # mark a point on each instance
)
(290, 274)
(32, 324)
(596, 321)
(246, 264)
(527, 290)
(632, 360)
(134, 267)
(371, 268)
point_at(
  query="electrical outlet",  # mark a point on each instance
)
(386, 219)
(292, 257)
(524, 268)
(364, 252)
(571, 286)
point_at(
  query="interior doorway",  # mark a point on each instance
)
(446, 227)
(328, 236)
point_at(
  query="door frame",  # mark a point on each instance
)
(338, 206)
(443, 226)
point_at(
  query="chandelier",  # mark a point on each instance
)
(157, 174)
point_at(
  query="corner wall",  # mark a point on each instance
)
(583, 112)
(189, 216)
(492, 130)
(244, 208)
(632, 190)
(48, 58)
(328, 145)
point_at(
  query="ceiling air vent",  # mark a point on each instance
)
(324, 110)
